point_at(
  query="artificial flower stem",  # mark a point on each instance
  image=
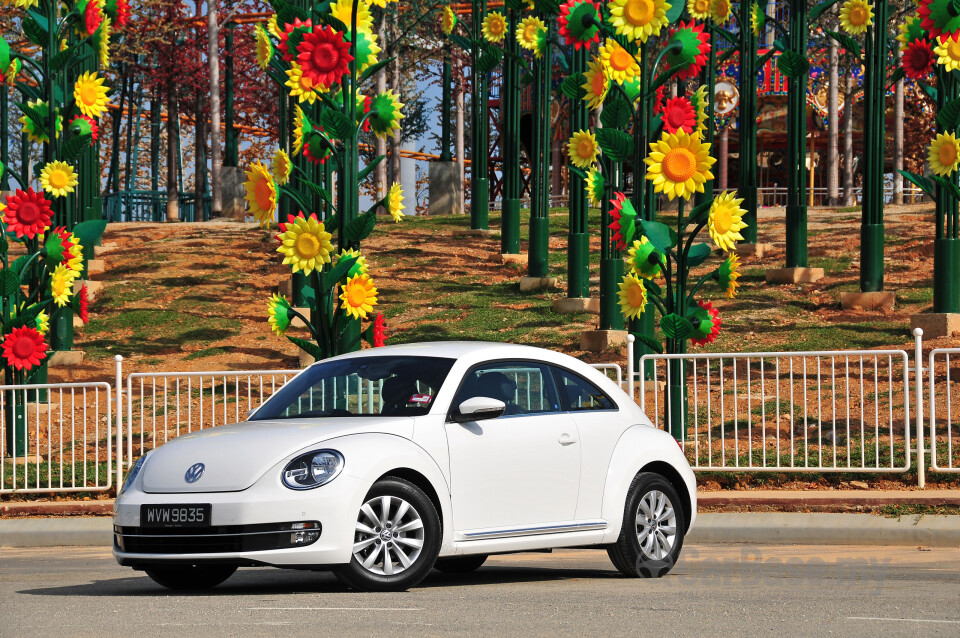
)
(663, 77)
(700, 282)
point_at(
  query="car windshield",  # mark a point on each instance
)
(361, 386)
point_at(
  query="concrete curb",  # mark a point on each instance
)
(775, 528)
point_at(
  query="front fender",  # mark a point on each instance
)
(641, 447)
(367, 457)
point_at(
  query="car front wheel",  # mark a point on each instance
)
(396, 538)
(189, 577)
(652, 533)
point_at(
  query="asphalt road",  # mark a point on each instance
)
(714, 590)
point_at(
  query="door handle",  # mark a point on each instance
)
(567, 439)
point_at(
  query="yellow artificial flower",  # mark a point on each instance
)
(360, 266)
(264, 47)
(583, 149)
(359, 296)
(679, 164)
(594, 185)
(720, 11)
(305, 245)
(856, 16)
(381, 3)
(278, 314)
(727, 275)
(73, 258)
(633, 296)
(282, 167)
(261, 193)
(494, 27)
(367, 50)
(301, 86)
(948, 51)
(58, 178)
(448, 20)
(527, 32)
(943, 154)
(394, 199)
(61, 285)
(620, 65)
(725, 220)
(43, 322)
(597, 83)
(638, 19)
(272, 27)
(91, 95)
(699, 9)
(102, 39)
(342, 9)
(297, 130)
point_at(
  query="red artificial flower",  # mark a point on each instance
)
(715, 318)
(28, 213)
(123, 13)
(24, 348)
(313, 158)
(658, 99)
(92, 16)
(83, 302)
(55, 252)
(679, 114)
(575, 32)
(94, 129)
(918, 59)
(379, 335)
(284, 43)
(616, 214)
(324, 56)
(696, 48)
(367, 101)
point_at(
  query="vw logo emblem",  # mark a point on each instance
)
(194, 472)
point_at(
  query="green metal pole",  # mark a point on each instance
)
(710, 79)
(946, 246)
(747, 125)
(445, 155)
(5, 135)
(796, 223)
(231, 139)
(538, 257)
(874, 80)
(480, 197)
(644, 201)
(510, 143)
(611, 265)
(578, 241)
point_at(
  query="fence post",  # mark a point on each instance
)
(630, 340)
(119, 390)
(918, 357)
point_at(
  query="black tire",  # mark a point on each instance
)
(355, 575)
(461, 564)
(654, 558)
(189, 577)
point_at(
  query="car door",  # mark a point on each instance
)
(521, 469)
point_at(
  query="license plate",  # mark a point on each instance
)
(175, 515)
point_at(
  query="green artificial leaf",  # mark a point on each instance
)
(332, 223)
(897, 75)
(547, 7)
(763, 59)
(572, 86)
(370, 71)
(617, 111)
(947, 185)
(699, 211)
(818, 10)
(336, 24)
(316, 188)
(11, 283)
(659, 235)
(360, 228)
(38, 118)
(464, 43)
(74, 146)
(649, 342)
(34, 32)
(793, 64)
(89, 232)
(576, 171)
(526, 79)
(337, 273)
(58, 61)
(19, 264)
(726, 56)
(615, 144)
(309, 347)
(676, 327)
(653, 287)
(369, 168)
(923, 183)
(489, 60)
(779, 45)
(949, 116)
(336, 124)
(929, 90)
(697, 255)
(675, 10)
(845, 41)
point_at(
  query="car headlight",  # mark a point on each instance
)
(312, 469)
(134, 471)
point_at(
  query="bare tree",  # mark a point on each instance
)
(216, 160)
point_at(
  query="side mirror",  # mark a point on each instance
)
(478, 409)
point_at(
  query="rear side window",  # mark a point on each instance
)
(577, 394)
(525, 387)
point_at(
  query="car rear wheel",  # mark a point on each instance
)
(652, 533)
(396, 538)
(460, 564)
(189, 577)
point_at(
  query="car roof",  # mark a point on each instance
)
(466, 350)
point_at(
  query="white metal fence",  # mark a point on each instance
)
(777, 195)
(944, 401)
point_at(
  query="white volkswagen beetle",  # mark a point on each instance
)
(383, 464)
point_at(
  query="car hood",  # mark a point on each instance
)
(236, 456)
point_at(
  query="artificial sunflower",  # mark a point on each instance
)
(494, 27)
(291, 37)
(272, 27)
(720, 11)
(579, 23)
(359, 296)
(297, 130)
(948, 51)
(264, 47)
(448, 20)
(282, 167)
(56, 246)
(58, 178)
(73, 257)
(360, 266)
(324, 55)
(27, 213)
(305, 244)
(619, 63)
(910, 30)
(727, 275)
(943, 154)
(382, 3)
(43, 322)
(706, 323)
(367, 50)
(725, 220)
(543, 38)
(301, 86)
(342, 10)
(679, 115)
(595, 186)
(644, 259)
(638, 19)
(699, 103)
(624, 224)
(11, 72)
(757, 19)
(583, 149)
(597, 83)
(937, 17)
(918, 59)
(37, 131)
(101, 41)
(278, 313)
(856, 16)
(692, 55)
(527, 32)
(24, 348)
(385, 113)
(394, 202)
(119, 11)
(633, 296)
(91, 94)
(261, 193)
(679, 164)
(699, 9)
(61, 285)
